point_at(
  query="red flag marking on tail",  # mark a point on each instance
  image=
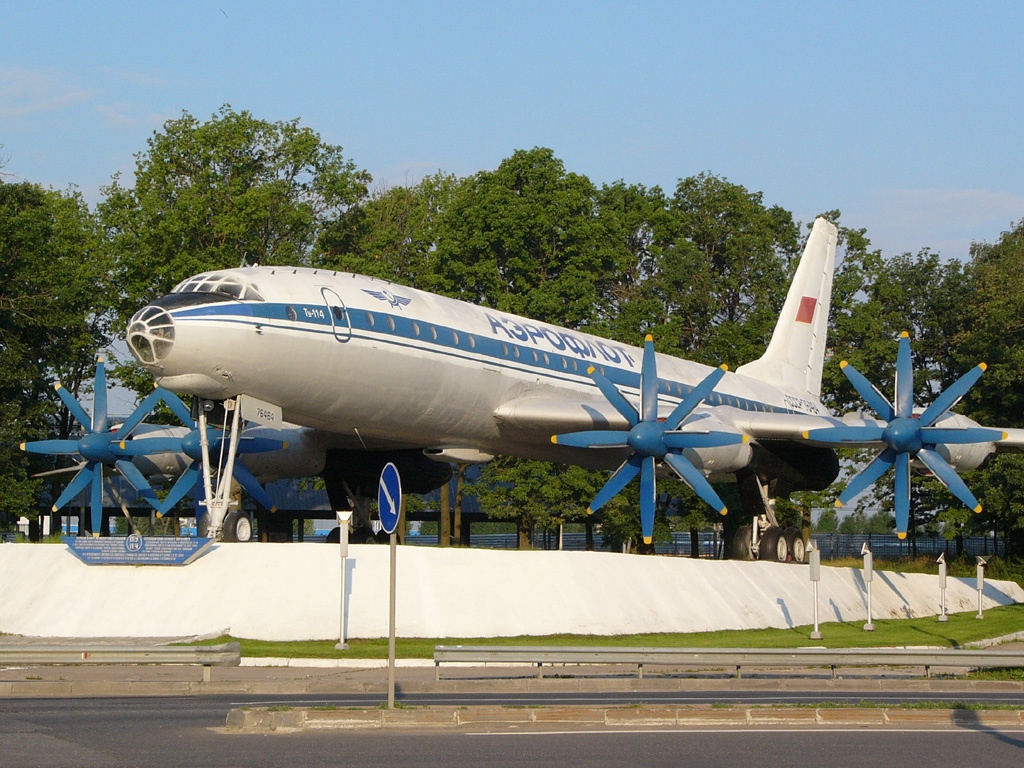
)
(806, 312)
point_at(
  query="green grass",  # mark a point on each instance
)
(961, 628)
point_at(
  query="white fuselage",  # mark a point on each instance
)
(378, 365)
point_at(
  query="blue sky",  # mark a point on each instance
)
(905, 116)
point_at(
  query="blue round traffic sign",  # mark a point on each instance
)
(389, 498)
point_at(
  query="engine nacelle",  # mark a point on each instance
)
(303, 456)
(721, 460)
(160, 467)
(963, 456)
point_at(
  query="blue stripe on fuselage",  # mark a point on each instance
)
(412, 333)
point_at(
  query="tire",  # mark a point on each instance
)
(203, 526)
(768, 548)
(797, 548)
(333, 536)
(237, 526)
(739, 547)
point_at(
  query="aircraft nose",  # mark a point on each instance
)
(151, 334)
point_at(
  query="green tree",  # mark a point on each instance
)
(995, 334)
(535, 494)
(746, 250)
(524, 239)
(53, 291)
(393, 234)
(828, 521)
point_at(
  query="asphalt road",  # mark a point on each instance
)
(187, 732)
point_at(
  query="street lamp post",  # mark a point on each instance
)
(942, 587)
(868, 576)
(815, 574)
(981, 583)
(343, 520)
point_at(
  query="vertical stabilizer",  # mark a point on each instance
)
(796, 354)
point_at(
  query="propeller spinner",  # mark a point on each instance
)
(652, 440)
(907, 435)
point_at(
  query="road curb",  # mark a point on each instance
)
(32, 686)
(290, 720)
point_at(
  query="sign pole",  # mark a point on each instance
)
(391, 625)
(389, 501)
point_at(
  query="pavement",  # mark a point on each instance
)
(262, 677)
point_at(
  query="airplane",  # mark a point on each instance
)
(383, 372)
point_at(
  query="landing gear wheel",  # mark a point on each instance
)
(237, 526)
(333, 536)
(795, 542)
(773, 545)
(203, 527)
(739, 547)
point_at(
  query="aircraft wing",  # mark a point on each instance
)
(540, 414)
(544, 414)
(1013, 442)
(792, 426)
(789, 426)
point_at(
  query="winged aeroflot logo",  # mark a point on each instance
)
(389, 297)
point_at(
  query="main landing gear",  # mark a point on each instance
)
(224, 519)
(764, 538)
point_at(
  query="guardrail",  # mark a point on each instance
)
(224, 655)
(736, 658)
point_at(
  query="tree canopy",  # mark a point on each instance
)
(53, 320)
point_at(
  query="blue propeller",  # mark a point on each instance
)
(191, 445)
(907, 435)
(651, 439)
(99, 447)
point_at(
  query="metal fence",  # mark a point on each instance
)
(833, 546)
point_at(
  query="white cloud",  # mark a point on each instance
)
(945, 220)
(118, 116)
(26, 92)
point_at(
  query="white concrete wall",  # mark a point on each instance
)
(291, 592)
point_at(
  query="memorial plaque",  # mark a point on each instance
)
(137, 550)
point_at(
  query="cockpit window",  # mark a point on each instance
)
(220, 284)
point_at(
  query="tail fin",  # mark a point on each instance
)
(796, 355)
